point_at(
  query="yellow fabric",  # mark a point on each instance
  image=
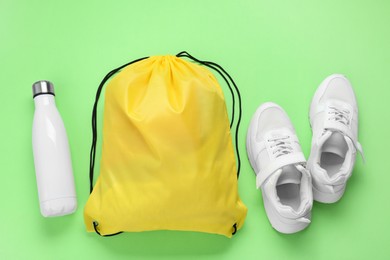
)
(167, 157)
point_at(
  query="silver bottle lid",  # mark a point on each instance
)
(42, 87)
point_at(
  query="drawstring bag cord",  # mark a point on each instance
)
(208, 64)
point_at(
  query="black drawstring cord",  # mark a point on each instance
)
(94, 120)
(95, 224)
(234, 229)
(218, 69)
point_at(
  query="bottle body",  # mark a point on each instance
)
(53, 166)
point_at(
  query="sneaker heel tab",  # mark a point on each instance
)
(304, 220)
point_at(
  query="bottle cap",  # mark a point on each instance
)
(42, 87)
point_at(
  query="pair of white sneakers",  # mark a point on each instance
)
(287, 182)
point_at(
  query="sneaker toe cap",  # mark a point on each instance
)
(339, 88)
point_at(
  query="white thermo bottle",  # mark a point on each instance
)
(53, 166)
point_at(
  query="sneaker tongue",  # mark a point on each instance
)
(290, 174)
(335, 144)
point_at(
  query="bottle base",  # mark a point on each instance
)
(58, 207)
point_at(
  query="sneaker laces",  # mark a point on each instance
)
(281, 145)
(339, 115)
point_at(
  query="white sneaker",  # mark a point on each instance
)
(276, 157)
(334, 123)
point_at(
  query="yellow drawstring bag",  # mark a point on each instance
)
(167, 156)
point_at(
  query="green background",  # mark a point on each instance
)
(276, 51)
